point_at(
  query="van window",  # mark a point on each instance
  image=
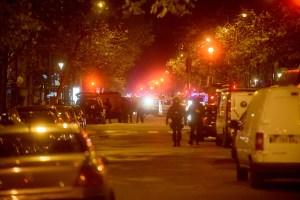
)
(223, 104)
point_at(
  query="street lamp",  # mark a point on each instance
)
(244, 15)
(61, 65)
(210, 50)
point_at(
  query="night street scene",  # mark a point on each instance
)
(150, 99)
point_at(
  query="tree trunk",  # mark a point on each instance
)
(3, 80)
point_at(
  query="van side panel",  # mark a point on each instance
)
(246, 137)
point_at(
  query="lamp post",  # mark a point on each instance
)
(210, 63)
(61, 66)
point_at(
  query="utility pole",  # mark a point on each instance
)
(188, 66)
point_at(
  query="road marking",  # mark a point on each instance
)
(91, 132)
(127, 132)
(153, 131)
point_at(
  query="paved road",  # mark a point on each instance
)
(142, 164)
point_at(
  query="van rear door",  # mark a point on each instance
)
(281, 123)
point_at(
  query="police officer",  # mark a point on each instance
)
(177, 114)
(108, 107)
(196, 112)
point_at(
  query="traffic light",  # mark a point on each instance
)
(233, 86)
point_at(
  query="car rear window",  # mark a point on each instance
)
(13, 145)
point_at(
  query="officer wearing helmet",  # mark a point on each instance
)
(196, 111)
(177, 114)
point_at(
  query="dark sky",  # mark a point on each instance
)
(155, 57)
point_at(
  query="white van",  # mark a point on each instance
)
(232, 104)
(268, 140)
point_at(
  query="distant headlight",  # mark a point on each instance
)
(41, 129)
(148, 101)
(65, 125)
(189, 118)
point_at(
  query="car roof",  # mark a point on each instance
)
(37, 107)
(36, 128)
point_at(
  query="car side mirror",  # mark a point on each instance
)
(5, 120)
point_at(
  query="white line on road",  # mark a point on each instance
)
(152, 131)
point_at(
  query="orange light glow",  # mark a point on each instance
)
(296, 2)
(210, 50)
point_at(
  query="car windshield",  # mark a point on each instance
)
(67, 114)
(13, 145)
(38, 116)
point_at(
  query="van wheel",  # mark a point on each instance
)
(256, 180)
(241, 173)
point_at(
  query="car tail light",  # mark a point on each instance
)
(89, 176)
(259, 141)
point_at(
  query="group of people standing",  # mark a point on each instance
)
(178, 116)
(125, 110)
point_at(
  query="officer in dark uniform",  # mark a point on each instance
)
(196, 112)
(177, 114)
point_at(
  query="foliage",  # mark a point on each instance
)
(112, 52)
(19, 30)
(192, 47)
(257, 43)
(18, 27)
(77, 32)
(159, 7)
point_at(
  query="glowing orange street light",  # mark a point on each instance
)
(296, 2)
(210, 50)
(101, 4)
(244, 15)
(92, 83)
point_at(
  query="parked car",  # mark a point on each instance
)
(68, 116)
(6, 119)
(267, 143)
(50, 162)
(79, 115)
(233, 102)
(36, 114)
